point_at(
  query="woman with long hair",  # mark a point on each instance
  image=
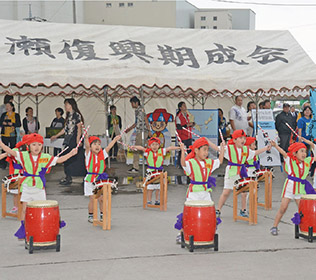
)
(72, 131)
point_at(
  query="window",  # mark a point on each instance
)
(203, 27)
(108, 5)
(130, 4)
(121, 5)
(214, 27)
(215, 18)
(203, 18)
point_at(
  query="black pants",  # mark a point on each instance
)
(10, 142)
(285, 142)
(114, 149)
(75, 166)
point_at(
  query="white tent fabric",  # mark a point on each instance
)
(57, 59)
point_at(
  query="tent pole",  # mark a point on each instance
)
(143, 128)
(257, 101)
(36, 103)
(203, 102)
(105, 95)
(19, 104)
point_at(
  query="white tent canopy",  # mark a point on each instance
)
(57, 59)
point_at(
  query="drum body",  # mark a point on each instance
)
(199, 220)
(42, 222)
(260, 172)
(12, 181)
(99, 184)
(152, 175)
(307, 208)
(243, 182)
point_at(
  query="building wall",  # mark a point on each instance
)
(53, 11)
(185, 14)
(208, 19)
(243, 19)
(137, 13)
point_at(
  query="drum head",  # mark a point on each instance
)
(199, 203)
(42, 203)
(309, 196)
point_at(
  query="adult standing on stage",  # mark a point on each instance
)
(283, 130)
(140, 121)
(9, 121)
(114, 126)
(72, 131)
(183, 121)
(30, 123)
(238, 116)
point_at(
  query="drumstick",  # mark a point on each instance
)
(124, 131)
(83, 136)
(221, 134)
(291, 129)
(62, 151)
(179, 139)
(264, 132)
(198, 136)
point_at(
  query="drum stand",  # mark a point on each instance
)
(253, 206)
(310, 236)
(163, 192)
(267, 178)
(4, 203)
(191, 245)
(106, 191)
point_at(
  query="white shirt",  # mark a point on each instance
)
(239, 116)
(187, 167)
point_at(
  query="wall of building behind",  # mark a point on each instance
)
(54, 11)
(207, 19)
(136, 13)
(184, 14)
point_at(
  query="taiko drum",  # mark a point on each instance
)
(307, 208)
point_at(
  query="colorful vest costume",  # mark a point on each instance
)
(200, 174)
(253, 163)
(183, 134)
(34, 172)
(96, 168)
(154, 160)
(301, 173)
(233, 158)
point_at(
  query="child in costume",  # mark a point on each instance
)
(95, 165)
(252, 164)
(35, 164)
(198, 167)
(297, 166)
(16, 168)
(154, 156)
(237, 154)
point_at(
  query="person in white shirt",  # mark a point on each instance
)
(238, 116)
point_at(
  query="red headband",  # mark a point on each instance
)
(238, 133)
(23, 142)
(153, 140)
(197, 144)
(34, 137)
(250, 140)
(93, 138)
(294, 148)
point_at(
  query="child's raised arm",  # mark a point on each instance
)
(280, 150)
(212, 145)
(262, 150)
(172, 148)
(139, 148)
(62, 159)
(221, 152)
(86, 143)
(7, 149)
(115, 139)
(308, 142)
(4, 155)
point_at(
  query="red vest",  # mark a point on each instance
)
(183, 134)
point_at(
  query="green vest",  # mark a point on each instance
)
(154, 159)
(42, 161)
(233, 157)
(16, 171)
(298, 188)
(94, 167)
(196, 174)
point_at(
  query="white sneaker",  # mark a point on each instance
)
(90, 219)
(178, 238)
